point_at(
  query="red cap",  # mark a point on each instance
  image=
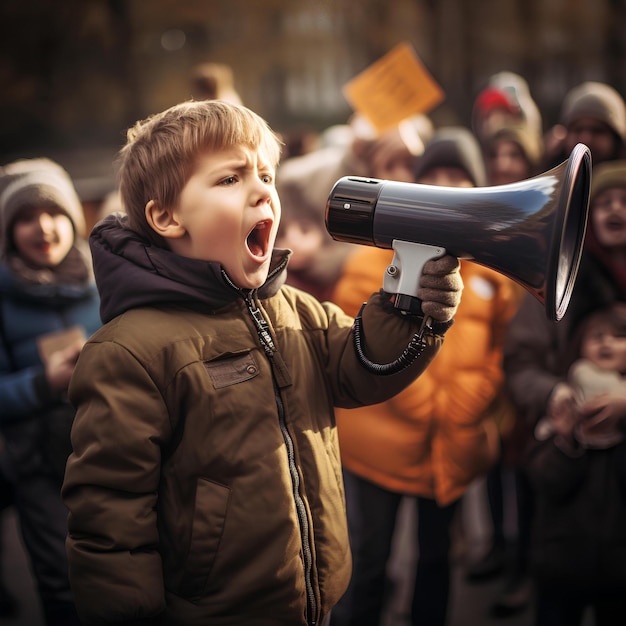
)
(494, 99)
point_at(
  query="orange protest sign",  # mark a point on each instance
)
(393, 88)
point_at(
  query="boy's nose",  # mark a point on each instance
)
(261, 194)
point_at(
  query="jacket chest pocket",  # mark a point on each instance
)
(232, 370)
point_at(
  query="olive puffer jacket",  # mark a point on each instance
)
(205, 483)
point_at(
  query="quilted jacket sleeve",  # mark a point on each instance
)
(386, 335)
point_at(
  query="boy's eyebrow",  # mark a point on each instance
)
(229, 164)
(237, 164)
(249, 165)
(243, 162)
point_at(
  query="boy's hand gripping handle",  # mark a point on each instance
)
(402, 277)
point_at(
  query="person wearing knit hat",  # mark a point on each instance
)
(612, 174)
(593, 113)
(505, 100)
(48, 306)
(512, 153)
(35, 183)
(517, 89)
(455, 149)
(606, 228)
(431, 441)
(493, 107)
(598, 101)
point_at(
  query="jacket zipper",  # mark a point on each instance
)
(301, 511)
(271, 352)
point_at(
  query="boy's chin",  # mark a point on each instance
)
(250, 281)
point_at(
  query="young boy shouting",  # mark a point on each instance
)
(204, 485)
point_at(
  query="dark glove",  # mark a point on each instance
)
(440, 288)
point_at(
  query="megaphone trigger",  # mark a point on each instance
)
(402, 277)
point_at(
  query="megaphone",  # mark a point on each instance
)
(531, 231)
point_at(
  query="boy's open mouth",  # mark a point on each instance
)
(258, 239)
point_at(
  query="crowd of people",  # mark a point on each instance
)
(191, 432)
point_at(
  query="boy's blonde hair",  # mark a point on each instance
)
(160, 152)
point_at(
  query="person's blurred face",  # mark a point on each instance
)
(446, 177)
(386, 157)
(505, 163)
(43, 236)
(400, 167)
(608, 218)
(596, 135)
(495, 117)
(605, 346)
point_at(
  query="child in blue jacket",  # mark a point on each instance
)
(48, 307)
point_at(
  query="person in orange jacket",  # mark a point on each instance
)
(433, 439)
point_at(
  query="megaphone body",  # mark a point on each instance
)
(531, 231)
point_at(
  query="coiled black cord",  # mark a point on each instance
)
(412, 352)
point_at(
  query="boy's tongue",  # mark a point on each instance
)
(257, 239)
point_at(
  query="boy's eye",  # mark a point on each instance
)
(229, 180)
(266, 178)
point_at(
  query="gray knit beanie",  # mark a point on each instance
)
(607, 176)
(454, 146)
(38, 182)
(598, 101)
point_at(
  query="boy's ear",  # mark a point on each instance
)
(163, 221)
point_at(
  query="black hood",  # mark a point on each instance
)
(131, 273)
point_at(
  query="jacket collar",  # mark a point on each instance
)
(131, 273)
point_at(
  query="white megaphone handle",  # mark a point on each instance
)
(402, 277)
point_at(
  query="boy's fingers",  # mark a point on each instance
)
(440, 288)
(442, 265)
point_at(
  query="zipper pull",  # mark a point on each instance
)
(279, 367)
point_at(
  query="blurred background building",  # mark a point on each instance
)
(76, 73)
